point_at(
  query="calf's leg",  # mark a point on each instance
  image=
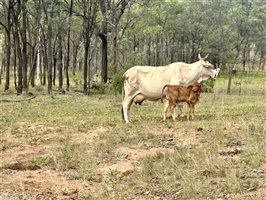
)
(172, 108)
(165, 108)
(193, 109)
(189, 111)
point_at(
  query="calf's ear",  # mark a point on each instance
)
(190, 87)
(196, 88)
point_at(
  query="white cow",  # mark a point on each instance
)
(145, 82)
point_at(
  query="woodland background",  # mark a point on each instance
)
(62, 42)
(76, 145)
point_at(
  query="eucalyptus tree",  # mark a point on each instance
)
(88, 11)
(70, 12)
(6, 14)
(104, 7)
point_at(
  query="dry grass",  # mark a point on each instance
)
(72, 146)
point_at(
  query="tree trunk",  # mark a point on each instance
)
(1, 71)
(18, 49)
(85, 70)
(172, 49)
(149, 51)
(8, 45)
(54, 65)
(50, 58)
(68, 44)
(33, 68)
(157, 50)
(24, 46)
(103, 36)
(115, 35)
(45, 61)
(74, 59)
(15, 62)
(244, 59)
(229, 79)
(254, 58)
(60, 60)
(262, 61)
(8, 51)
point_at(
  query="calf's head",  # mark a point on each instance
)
(196, 88)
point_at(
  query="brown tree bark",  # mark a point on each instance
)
(50, 58)
(8, 43)
(68, 44)
(24, 45)
(16, 14)
(103, 35)
(60, 63)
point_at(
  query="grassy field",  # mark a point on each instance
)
(77, 147)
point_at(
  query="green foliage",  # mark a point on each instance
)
(207, 86)
(39, 88)
(77, 79)
(100, 88)
(117, 79)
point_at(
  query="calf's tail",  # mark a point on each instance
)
(122, 111)
(163, 93)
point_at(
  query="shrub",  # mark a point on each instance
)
(207, 86)
(117, 79)
(100, 88)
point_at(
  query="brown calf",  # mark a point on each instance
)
(172, 94)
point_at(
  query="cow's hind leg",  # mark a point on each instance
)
(126, 107)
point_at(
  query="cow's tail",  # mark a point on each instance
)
(123, 96)
(163, 93)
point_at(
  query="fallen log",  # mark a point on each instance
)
(17, 100)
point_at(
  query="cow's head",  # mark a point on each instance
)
(205, 62)
(208, 70)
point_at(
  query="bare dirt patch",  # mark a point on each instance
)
(258, 194)
(22, 181)
(88, 136)
(23, 153)
(128, 159)
(41, 184)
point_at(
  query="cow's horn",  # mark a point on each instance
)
(199, 57)
(206, 57)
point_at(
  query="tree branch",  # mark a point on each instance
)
(4, 27)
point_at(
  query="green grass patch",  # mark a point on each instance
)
(87, 131)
